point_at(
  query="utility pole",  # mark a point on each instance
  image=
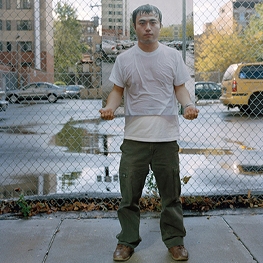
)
(184, 30)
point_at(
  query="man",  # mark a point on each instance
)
(151, 77)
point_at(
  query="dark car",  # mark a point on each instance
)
(3, 102)
(177, 44)
(207, 90)
(37, 91)
(73, 91)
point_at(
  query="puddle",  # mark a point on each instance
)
(242, 146)
(93, 180)
(206, 151)
(250, 169)
(82, 140)
(20, 129)
(97, 180)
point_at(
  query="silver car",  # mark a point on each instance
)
(109, 49)
(37, 91)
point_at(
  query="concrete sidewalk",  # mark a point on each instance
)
(74, 237)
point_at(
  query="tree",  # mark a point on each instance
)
(167, 33)
(215, 51)
(68, 48)
(254, 31)
(132, 30)
(189, 30)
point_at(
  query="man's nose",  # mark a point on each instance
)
(148, 27)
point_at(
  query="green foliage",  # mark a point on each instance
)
(60, 83)
(167, 33)
(215, 51)
(71, 137)
(189, 30)
(68, 48)
(23, 205)
(255, 31)
(151, 185)
(132, 30)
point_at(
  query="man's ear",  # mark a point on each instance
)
(134, 26)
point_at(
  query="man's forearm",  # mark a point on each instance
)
(114, 100)
(183, 96)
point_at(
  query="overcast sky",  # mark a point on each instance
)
(204, 10)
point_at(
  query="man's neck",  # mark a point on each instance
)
(148, 47)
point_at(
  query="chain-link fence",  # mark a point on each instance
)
(63, 52)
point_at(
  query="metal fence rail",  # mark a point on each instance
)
(62, 156)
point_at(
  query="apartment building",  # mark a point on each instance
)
(26, 41)
(234, 15)
(115, 19)
(89, 68)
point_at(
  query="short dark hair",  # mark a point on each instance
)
(146, 9)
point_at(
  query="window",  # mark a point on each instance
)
(8, 25)
(89, 39)
(8, 4)
(251, 72)
(8, 46)
(90, 29)
(1, 25)
(23, 4)
(25, 46)
(1, 46)
(24, 25)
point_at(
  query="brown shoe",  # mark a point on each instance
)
(122, 253)
(179, 253)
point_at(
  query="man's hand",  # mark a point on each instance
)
(106, 114)
(190, 113)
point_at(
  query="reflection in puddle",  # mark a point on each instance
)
(83, 137)
(250, 169)
(77, 139)
(242, 145)
(18, 129)
(89, 180)
(205, 151)
(30, 185)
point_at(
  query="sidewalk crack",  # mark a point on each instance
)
(239, 239)
(52, 240)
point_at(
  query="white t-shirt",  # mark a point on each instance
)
(148, 79)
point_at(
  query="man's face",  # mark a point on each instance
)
(147, 28)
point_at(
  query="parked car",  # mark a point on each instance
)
(177, 44)
(242, 87)
(124, 44)
(37, 91)
(191, 47)
(207, 90)
(109, 49)
(3, 102)
(73, 91)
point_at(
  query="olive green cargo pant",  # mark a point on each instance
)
(134, 167)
